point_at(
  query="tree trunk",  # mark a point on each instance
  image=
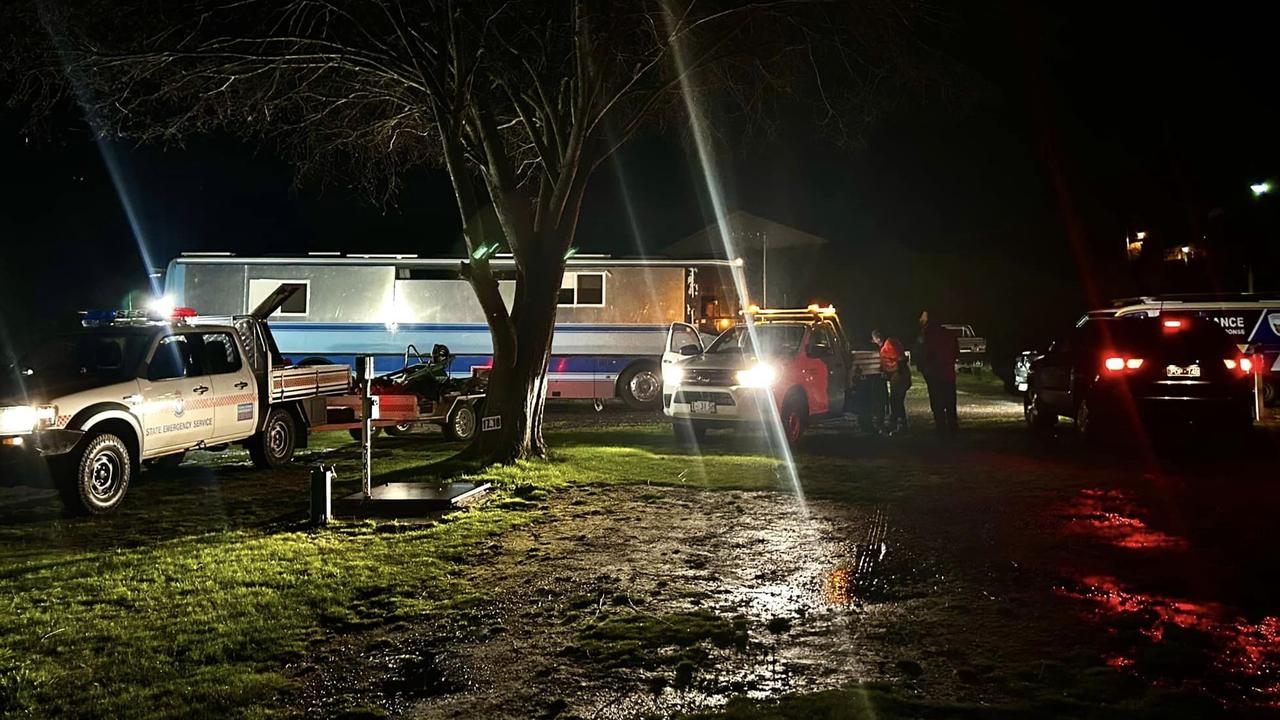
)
(517, 388)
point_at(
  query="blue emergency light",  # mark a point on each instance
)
(98, 318)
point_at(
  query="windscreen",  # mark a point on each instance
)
(774, 340)
(98, 356)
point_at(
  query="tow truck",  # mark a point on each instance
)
(147, 386)
(793, 364)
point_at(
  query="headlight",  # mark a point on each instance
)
(17, 420)
(672, 374)
(760, 376)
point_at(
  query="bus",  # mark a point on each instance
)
(1251, 319)
(611, 323)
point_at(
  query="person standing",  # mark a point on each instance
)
(939, 350)
(894, 366)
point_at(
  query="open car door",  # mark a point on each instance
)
(683, 340)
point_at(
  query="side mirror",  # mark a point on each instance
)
(689, 350)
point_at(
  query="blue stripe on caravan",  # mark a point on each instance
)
(605, 366)
(451, 327)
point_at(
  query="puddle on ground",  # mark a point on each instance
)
(1114, 518)
(1203, 644)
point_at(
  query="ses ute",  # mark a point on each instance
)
(128, 388)
(1112, 373)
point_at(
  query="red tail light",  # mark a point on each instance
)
(1117, 364)
(1244, 364)
(1173, 324)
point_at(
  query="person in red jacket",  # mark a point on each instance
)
(894, 367)
(939, 350)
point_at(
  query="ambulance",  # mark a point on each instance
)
(1252, 320)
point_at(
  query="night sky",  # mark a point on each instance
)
(1008, 206)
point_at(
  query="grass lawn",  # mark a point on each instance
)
(196, 595)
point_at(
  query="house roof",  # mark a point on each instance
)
(747, 233)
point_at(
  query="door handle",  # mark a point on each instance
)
(200, 390)
(242, 385)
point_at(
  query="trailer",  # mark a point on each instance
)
(610, 327)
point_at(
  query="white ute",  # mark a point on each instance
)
(128, 388)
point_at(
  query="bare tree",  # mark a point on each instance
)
(519, 100)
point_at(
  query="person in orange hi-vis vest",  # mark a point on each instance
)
(896, 369)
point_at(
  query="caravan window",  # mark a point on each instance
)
(296, 306)
(579, 289)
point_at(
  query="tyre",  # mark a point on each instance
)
(94, 481)
(795, 418)
(640, 387)
(461, 424)
(273, 447)
(401, 430)
(1088, 425)
(689, 434)
(1037, 416)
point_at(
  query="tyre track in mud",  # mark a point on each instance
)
(642, 555)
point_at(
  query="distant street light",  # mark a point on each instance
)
(1260, 189)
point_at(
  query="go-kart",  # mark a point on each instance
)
(452, 403)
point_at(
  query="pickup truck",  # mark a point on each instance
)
(973, 349)
(795, 365)
(128, 388)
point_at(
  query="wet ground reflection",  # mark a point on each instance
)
(1161, 634)
(1112, 517)
(1181, 641)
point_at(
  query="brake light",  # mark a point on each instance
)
(1120, 364)
(1244, 364)
(1173, 324)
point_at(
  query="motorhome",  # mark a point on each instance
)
(611, 323)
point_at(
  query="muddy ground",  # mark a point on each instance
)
(994, 569)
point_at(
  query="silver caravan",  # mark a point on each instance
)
(610, 327)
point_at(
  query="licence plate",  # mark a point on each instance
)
(703, 407)
(1180, 371)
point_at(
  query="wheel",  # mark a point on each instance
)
(461, 423)
(1038, 418)
(96, 480)
(1086, 423)
(401, 430)
(689, 434)
(641, 387)
(795, 417)
(356, 434)
(273, 447)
